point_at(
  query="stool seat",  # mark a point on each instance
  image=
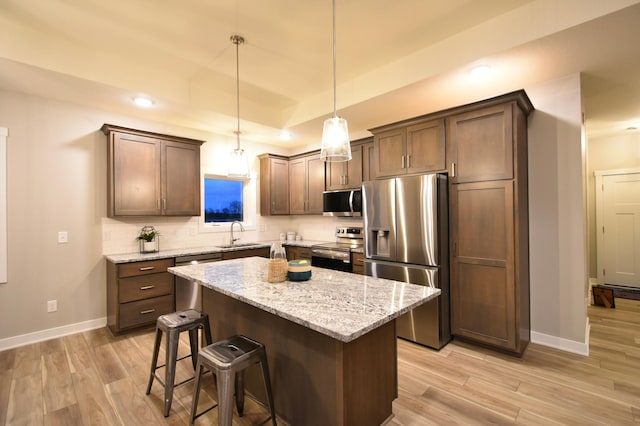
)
(228, 359)
(173, 324)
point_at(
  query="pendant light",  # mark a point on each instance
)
(335, 133)
(238, 162)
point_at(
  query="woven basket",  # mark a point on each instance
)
(277, 270)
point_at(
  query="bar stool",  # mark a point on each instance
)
(228, 359)
(173, 324)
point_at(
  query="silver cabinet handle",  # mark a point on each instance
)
(164, 204)
(147, 287)
(148, 311)
(408, 161)
(402, 161)
(453, 169)
(148, 268)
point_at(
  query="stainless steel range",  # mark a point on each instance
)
(337, 255)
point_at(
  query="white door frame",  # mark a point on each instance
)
(599, 176)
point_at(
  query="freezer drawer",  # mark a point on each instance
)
(428, 324)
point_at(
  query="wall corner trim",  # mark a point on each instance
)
(573, 346)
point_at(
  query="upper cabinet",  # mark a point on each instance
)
(482, 144)
(151, 174)
(274, 185)
(306, 183)
(414, 147)
(345, 174)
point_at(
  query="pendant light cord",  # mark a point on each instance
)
(334, 60)
(236, 39)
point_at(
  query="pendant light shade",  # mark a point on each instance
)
(238, 161)
(335, 133)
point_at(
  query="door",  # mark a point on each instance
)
(180, 179)
(619, 245)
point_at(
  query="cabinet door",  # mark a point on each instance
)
(297, 189)
(368, 169)
(346, 174)
(135, 166)
(279, 186)
(181, 179)
(481, 144)
(426, 147)
(389, 152)
(314, 184)
(483, 293)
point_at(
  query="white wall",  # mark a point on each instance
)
(557, 215)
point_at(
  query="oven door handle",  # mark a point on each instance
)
(331, 254)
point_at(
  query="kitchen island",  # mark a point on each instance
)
(331, 341)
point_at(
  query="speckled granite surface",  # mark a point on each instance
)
(341, 305)
(164, 254)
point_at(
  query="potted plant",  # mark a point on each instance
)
(148, 239)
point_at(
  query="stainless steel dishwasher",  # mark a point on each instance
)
(189, 293)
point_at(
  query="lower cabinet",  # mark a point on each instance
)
(138, 293)
(236, 254)
(297, 252)
(357, 263)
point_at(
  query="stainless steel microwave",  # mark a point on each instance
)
(342, 203)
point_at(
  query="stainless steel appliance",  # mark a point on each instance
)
(337, 255)
(188, 293)
(342, 203)
(406, 239)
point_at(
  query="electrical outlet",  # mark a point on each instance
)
(52, 305)
(63, 237)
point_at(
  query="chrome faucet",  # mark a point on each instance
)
(232, 240)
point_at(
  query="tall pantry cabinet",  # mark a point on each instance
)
(487, 153)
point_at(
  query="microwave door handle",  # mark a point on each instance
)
(351, 201)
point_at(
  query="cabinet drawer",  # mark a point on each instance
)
(143, 268)
(145, 286)
(145, 311)
(357, 259)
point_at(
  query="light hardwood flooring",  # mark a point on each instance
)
(95, 378)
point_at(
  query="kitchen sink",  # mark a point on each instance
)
(238, 245)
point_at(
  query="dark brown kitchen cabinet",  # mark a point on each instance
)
(409, 148)
(306, 184)
(274, 185)
(298, 252)
(368, 169)
(489, 226)
(236, 254)
(483, 144)
(151, 174)
(138, 293)
(357, 262)
(345, 174)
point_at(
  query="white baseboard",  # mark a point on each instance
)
(580, 348)
(51, 333)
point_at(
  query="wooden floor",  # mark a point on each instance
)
(93, 378)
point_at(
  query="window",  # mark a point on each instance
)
(223, 200)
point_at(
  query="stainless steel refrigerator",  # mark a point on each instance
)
(406, 239)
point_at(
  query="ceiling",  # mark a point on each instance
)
(395, 60)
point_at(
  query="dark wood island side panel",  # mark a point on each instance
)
(317, 380)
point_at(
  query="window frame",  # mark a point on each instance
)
(248, 205)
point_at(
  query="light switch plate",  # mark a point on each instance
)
(63, 237)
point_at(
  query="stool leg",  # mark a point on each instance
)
(225, 384)
(207, 331)
(267, 385)
(239, 385)
(170, 369)
(154, 360)
(193, 342)
(196, 393)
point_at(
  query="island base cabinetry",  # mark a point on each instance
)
(316, 380)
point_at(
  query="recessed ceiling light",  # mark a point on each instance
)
(285, 135)
(143, 102)
(480, 71)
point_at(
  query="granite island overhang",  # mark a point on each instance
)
(331, 341)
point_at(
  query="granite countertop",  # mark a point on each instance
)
(338, 304)
(164, 254)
